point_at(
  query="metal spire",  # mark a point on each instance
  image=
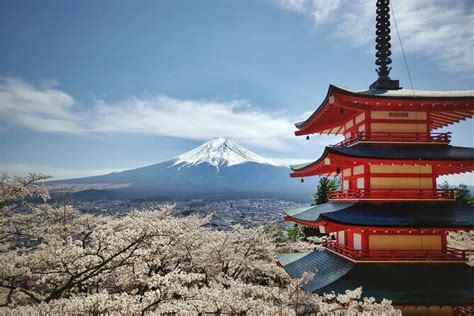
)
(383, 48)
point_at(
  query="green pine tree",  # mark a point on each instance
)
(463, 195)
(325, 186)
(295, 233)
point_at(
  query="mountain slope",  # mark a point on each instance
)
(219, 168)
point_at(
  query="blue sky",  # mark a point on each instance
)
(90, 87)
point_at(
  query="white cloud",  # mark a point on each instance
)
(319, 10)
(439, 30)
(38, 109)
(194, 119)
(53, 110)
(20, 169)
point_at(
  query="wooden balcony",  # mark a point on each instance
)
(361, 137)
(393, 195)
(447, 255)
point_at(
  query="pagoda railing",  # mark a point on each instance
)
(393, 194)
(440, 138)
(449, 254)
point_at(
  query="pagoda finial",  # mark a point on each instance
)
(383, 48)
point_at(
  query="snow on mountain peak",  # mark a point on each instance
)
(220, 152)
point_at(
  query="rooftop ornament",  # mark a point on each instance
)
(383, 48)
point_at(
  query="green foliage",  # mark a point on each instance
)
(295, 233)
(463, 195)
(325, 186)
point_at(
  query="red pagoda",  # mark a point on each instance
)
(390, 220)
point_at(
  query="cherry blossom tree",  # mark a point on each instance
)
(463, 240)
(58, 260)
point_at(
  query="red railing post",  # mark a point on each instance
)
(403, 137)
(438, 194)
(449, 254)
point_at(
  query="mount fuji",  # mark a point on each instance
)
(220, 152)
(217, 169)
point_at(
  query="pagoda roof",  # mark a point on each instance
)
(326, 266)
(388, 215)
(406, 93)
(458, 104)
(286, 258)
(411, 284)
(390, 153)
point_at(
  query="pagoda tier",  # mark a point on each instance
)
(374, 112)
(442, 159)
(389, 232)
(383, 172)
(411, 287)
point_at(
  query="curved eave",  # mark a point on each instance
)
(446, 159)
(315, 214)
(302, 170)
(331, 225)
(447, 216)
(406, 152)
(303, 124)
(307, 127)
(458, 105)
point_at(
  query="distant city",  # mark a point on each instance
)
(225, 213)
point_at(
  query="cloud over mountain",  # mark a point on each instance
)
(50, 109)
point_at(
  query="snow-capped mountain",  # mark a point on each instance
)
(219, 168)
(220, 152)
